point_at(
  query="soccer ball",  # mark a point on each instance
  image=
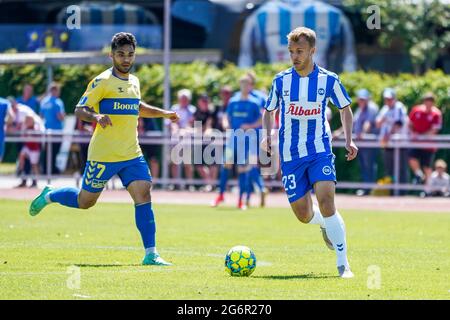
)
(240, 261)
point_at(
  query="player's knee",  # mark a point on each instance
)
(143, 196)
(86, 203)
(326, 205)
(303, 214)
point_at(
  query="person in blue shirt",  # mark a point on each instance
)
(243, 114)
(5, 116)
(255, 177)
(52, 111)
(28, 98)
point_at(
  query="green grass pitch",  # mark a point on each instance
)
(410, 250)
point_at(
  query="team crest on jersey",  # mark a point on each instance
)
(327, 170)
(321, 91)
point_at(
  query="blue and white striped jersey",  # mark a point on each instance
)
(304, 129)
(264, 34)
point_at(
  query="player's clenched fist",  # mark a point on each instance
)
(103, 120)
(172, 116)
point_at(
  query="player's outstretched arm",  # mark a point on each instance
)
(347, 125)
(148, 111)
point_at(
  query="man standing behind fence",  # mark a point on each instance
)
(424, 120)
(392, 119)
(28, 98)
(364, 123)
(52, 111)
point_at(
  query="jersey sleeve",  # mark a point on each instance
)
(273, 101)
(60, 105)
(93, 95)
(339, 95)
(437, 121)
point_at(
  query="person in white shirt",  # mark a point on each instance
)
(393, 119)
(439, 183)
(25, 119)
(186, 111)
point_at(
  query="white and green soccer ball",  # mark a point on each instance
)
(240, 261)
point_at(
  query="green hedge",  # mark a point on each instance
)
(201, 77)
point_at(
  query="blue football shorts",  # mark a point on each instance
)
(299, 176)
(237, 152)
(97, 174)
(2, 147)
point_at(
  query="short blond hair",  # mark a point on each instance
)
(440, 164)
(308, 34)
(252, 75)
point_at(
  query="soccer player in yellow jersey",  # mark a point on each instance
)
(113, 101)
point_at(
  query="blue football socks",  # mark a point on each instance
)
(67, 196)
(243, 183)
(145, 222)
(223, 179)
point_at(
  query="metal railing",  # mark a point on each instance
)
(397, 143)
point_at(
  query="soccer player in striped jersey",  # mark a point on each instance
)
(113, 101)
(263, 37)
(302, 93)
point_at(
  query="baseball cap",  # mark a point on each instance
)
(363, 94)
(185, 93)
(204, 96)
(389, 93)
(428, 96)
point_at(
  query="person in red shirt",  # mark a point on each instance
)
(425, 120)
(31, 151)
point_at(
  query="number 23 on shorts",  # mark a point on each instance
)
(289, 182)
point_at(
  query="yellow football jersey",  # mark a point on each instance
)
(119, 99)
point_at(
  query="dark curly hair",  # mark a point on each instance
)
(121, 39)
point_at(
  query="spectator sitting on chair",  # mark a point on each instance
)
(425, 120)
(439, 180)
(52, 111)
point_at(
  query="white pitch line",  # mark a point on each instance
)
(81, 296)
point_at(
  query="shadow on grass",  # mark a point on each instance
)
(297, 276)
(112, 265)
